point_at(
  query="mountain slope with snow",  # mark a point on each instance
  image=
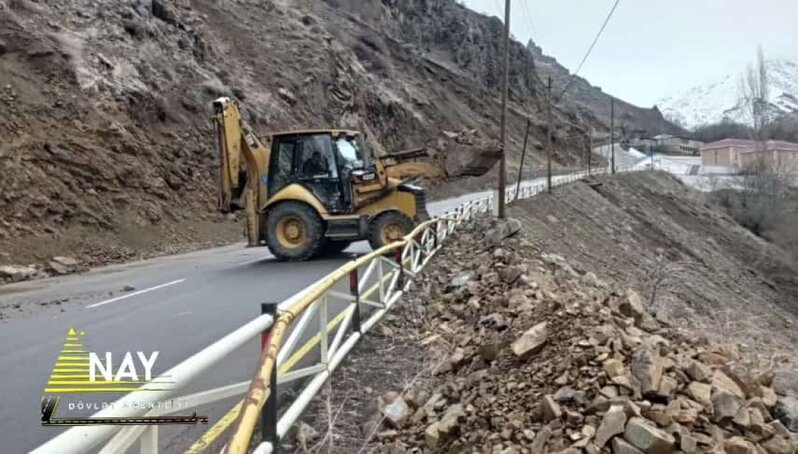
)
(717, 100)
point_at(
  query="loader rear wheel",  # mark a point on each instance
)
(295, 232)
(388, 227)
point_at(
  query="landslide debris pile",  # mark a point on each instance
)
(544, 358)
(104, 106)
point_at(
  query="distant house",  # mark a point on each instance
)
(667, 143)
(774, 155)
(644, 143)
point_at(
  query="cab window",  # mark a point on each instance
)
(315, 157)
(281, 163)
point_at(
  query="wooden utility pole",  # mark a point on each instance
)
(503, 161)
(612, 134)
(521, 167)
(548, 136)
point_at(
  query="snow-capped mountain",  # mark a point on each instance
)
(718, 100)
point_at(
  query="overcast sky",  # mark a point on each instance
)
(653, 47)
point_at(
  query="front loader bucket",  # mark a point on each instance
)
(466, 154)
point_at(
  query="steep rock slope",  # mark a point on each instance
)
(104, 106)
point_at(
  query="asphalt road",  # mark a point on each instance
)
(180, 305)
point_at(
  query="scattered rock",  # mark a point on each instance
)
(305, 435)
(700, 392)
(397, 413)
(648, 438)
(612, 424)
(621, 446)
(738, 445)
(65, 261)
(532, 341)
(613, 367)
(460, 280)
(725, 405)
(128, 288)
(503, 229)
(16, 272)
(646, 367)
(551, 410)
(787, 412)
(698, 371)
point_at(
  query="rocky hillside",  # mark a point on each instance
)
(104, 106)
(618, 315)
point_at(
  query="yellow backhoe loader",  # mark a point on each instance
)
(312, 192)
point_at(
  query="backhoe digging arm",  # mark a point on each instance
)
(243, 162)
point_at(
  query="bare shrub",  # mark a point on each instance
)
(762, 202)
(665, 275)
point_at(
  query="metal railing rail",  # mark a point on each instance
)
(393, 267)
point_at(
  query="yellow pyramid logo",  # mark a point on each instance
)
(72, 374)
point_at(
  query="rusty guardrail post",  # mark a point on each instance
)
(268, 417)
(354, 290)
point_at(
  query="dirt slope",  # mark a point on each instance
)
(647, 230)
(546, 341)
(104, 106)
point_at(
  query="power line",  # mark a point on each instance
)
(590, 49)
(499, 8)
(528, 16)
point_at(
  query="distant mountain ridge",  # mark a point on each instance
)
(718, 100)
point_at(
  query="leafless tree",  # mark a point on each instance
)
(755, 97)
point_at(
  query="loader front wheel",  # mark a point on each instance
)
(295, 231)
(388, 227)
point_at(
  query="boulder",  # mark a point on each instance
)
(397, 413)
(531, 341)
(460, 280)
(698, 371)
(16, 272)
(503, 229)
(612, 424)
(621, 446)
(700, 392)
(646, 367)
(725, 405)
(66, 261)
(721, 381)
(613, 367)
(787, 412)
(648, 438)
(738, 445)
(551, 409)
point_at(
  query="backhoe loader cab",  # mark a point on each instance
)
(310, 192)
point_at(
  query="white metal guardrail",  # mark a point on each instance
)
(376, 282)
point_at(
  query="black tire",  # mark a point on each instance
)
(379, 224)
(333, 248)
(283, 221)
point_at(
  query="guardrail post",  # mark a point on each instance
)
(268, 417)
(400, 281)
(354, 290)
(419, 239)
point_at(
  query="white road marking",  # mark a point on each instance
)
(121, 297)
